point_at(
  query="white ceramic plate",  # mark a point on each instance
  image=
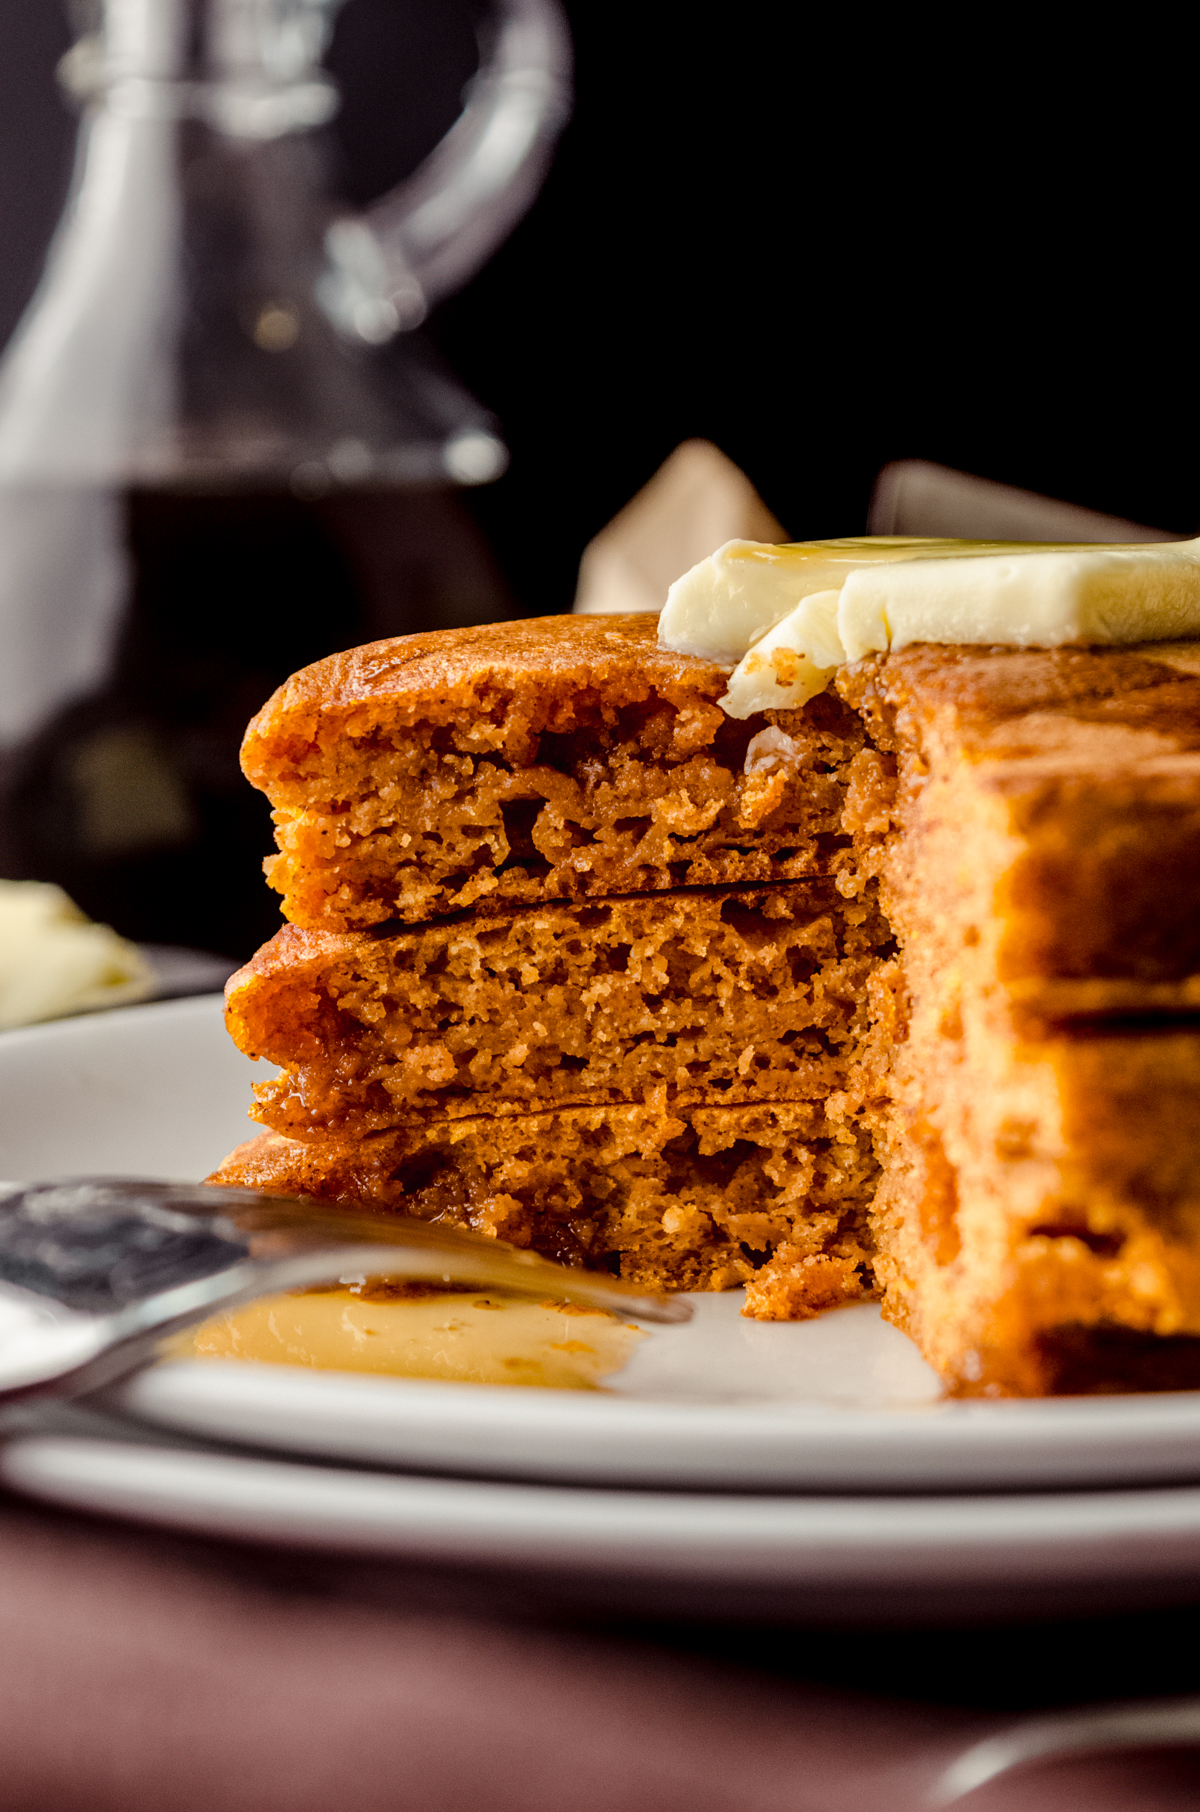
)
(840, 1403)
(838, 1559)
(673, 1419)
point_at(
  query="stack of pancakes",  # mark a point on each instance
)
(899, 991)
(568, 961)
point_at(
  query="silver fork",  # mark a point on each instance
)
(95, 1272)
(1165, 1724)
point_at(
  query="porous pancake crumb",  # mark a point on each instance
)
(694, 1198)
(700, 996)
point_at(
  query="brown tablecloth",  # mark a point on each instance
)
(146, 1670)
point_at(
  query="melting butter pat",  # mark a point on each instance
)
(793, 661)
(789, 615)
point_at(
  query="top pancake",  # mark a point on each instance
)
(524, 677)
(553, 758)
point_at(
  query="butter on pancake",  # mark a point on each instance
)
(790, 615)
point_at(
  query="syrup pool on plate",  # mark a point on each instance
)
(461, 1337)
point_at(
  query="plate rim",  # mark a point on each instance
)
(758, 1441)
(851, 1548)
(946, 1444)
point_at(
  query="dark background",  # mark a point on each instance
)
(821, 243)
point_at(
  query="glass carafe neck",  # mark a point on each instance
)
(248, 67)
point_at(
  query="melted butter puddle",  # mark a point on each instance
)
(461, 1338)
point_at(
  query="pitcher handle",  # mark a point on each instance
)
(390, 263)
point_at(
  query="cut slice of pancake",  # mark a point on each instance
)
(627, 864)
(562, 757)
(773, 1195)
(692, 997)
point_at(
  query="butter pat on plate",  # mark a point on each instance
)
(789, 615)
(54, 961)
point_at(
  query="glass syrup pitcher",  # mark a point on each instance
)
(223, 453)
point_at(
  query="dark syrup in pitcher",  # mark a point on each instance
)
(132, 798)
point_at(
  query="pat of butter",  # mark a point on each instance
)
(771, 610)
(793, 661)
(54, 961)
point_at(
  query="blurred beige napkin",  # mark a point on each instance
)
(918, 497)
(699, 499)
(696, 502)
